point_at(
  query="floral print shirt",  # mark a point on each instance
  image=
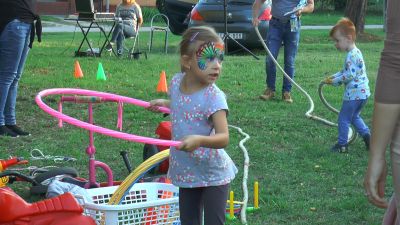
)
(191, 114)
(353, 76)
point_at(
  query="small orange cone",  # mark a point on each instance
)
(78, 71)
(162, 83)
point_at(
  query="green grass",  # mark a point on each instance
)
(289, 154)
(331, 17)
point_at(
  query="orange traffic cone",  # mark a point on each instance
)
(162, 83)
(78, 71)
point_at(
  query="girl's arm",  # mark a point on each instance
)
(219, 140)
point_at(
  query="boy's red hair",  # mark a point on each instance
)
(346, 27)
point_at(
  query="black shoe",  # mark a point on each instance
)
(366, 139)
(109, 47)
(5, 131)
(339, 148)
(18, 130)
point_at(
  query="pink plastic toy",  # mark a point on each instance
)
(92, 97)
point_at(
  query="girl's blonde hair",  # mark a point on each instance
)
(346, 27)
(194, 34)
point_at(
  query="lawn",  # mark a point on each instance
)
(301, 182)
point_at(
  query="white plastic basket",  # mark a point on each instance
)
(145, 204)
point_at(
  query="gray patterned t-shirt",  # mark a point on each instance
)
(191, 114)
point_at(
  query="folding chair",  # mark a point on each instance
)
(133, 49)
(165, 29)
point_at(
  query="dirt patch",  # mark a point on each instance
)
(367, 37)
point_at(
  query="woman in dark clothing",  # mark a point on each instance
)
(17, 31)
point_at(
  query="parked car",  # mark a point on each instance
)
(178, 12)
(239, 19)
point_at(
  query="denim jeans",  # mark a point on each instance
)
(279, 33)
(350, 114)
(14, 49)
(122, 30)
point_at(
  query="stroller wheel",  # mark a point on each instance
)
(42, 188)
(56, 172)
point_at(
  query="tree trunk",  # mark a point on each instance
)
(355, 11)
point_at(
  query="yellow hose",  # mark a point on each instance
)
(140, 170)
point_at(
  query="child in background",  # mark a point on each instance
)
(354, 77)
(199, 165)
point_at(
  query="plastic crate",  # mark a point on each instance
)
(145, 204)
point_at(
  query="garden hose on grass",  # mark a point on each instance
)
(352, 134)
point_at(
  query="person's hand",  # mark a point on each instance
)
(327, 80)
(255, 21)
(374, 182)
(156, 103)
(298, 13)
(190, 143)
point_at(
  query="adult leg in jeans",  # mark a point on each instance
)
(274, 44)
(291, 44)
(14, 49)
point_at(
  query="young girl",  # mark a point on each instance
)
(199, 166)
(131, 14)
(354, 77)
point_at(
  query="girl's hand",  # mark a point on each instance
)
(190, 143)
(374, 182)
(156, 103)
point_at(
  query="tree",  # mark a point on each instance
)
(355, 11)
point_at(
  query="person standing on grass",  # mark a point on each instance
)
(199, 166)
(282, 30)
(386, 121)
(131, 17)
(354, 77)
(17, 32)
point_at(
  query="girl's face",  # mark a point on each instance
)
(342, 42)
(207, 61)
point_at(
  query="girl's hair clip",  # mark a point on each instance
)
(194, 36)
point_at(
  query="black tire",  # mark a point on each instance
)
(148, 151)
(38, 189)
(55, 172)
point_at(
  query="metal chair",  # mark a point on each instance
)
(157, 18)
(133, 49)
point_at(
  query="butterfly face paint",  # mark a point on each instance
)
(208, 52)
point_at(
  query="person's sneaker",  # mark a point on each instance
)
(268, 94)
(366, 139)
(287, 97)
(339, 148)
(16, 129)
(4, 131)
(109, 47)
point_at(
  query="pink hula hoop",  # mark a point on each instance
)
(97, 129)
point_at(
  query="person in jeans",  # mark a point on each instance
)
(17, 32)
(354, 77)
(130, 14)
(283, 29)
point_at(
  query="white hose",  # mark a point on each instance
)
(245, 173)
(352, 135)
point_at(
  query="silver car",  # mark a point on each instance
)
(239, 20)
